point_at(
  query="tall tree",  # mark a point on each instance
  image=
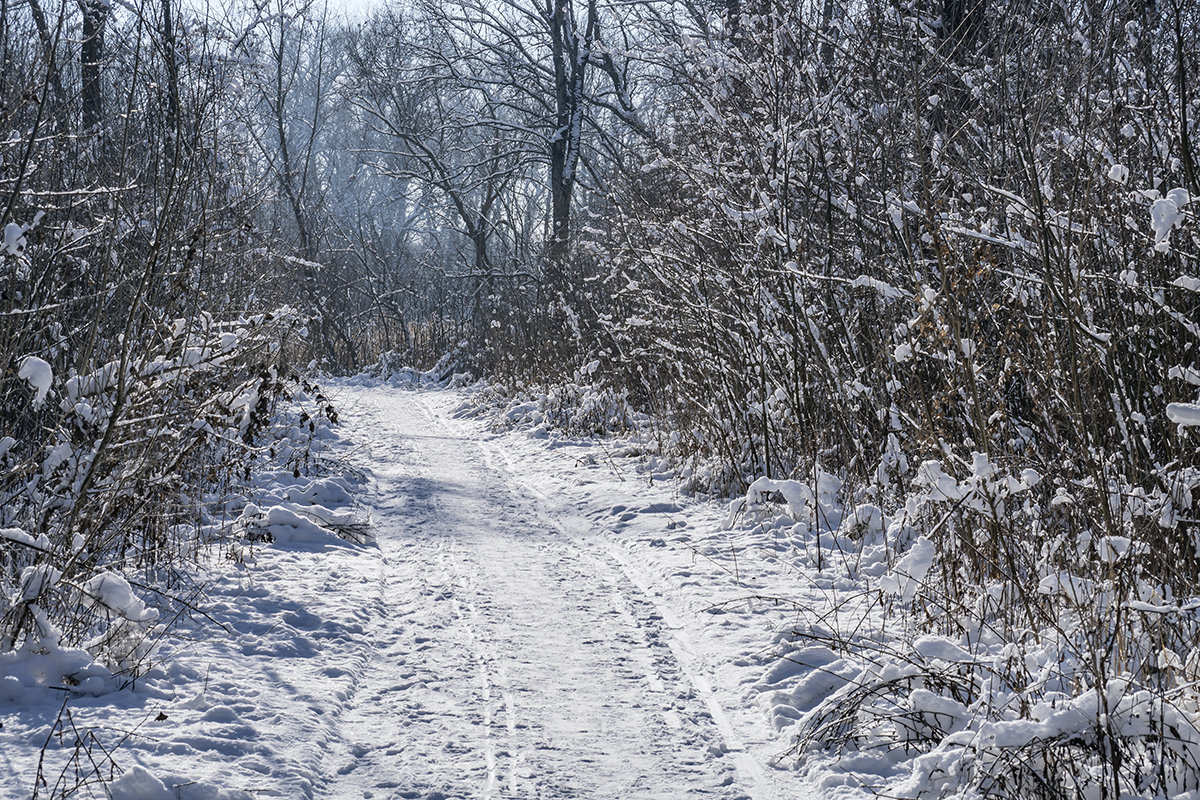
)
(552, 75)
(91, 58)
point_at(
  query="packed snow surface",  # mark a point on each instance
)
(534, 617)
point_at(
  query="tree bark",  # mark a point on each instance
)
(571, 55)
(91, 53)
(170, 59)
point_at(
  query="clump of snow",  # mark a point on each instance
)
(36, 579)
(127, 642)
(1186, 415)
(800, 500)
(1070, 586)
(14, 239)
(294, 524)
(941, 485)
(867, 518)
(906, 576)
(817, 503)
(39, 375)
(938, 648)
(321, 495)
(14, 242)
(1118, 173)
(1111, 549)
(1165, 214)
(21, 537)
(886, 291)
(42, 663)
(115, 593)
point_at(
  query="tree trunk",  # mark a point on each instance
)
(91, 53)
(170, 59)
(571, 54)
(560, 145)
(962, 24)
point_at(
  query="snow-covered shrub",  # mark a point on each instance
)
(961, 280)
(126, 473)
(149, 333)
(1004, 721)
(1016, 655)
(453, 367)
(571, 409)
(587, 409)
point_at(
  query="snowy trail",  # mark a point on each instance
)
(512, 657)
(538, 618)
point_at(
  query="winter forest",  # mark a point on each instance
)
(910, 289)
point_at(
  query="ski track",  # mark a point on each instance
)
(512, 660)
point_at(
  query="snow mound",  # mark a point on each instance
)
(906, 578)
(115, 592)
(295, 524)
(815, 503)
(139, 784)
(31, 670)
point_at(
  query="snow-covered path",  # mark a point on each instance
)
(537, 618)
(513, 657)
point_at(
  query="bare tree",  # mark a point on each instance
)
(550, 75)
(91, 61)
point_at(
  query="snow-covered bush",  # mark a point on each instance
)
(146, 339)
(453, 366)
(571, 409)
(983, 645)
(949, 262)
(126, 473)
(1010, 657)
